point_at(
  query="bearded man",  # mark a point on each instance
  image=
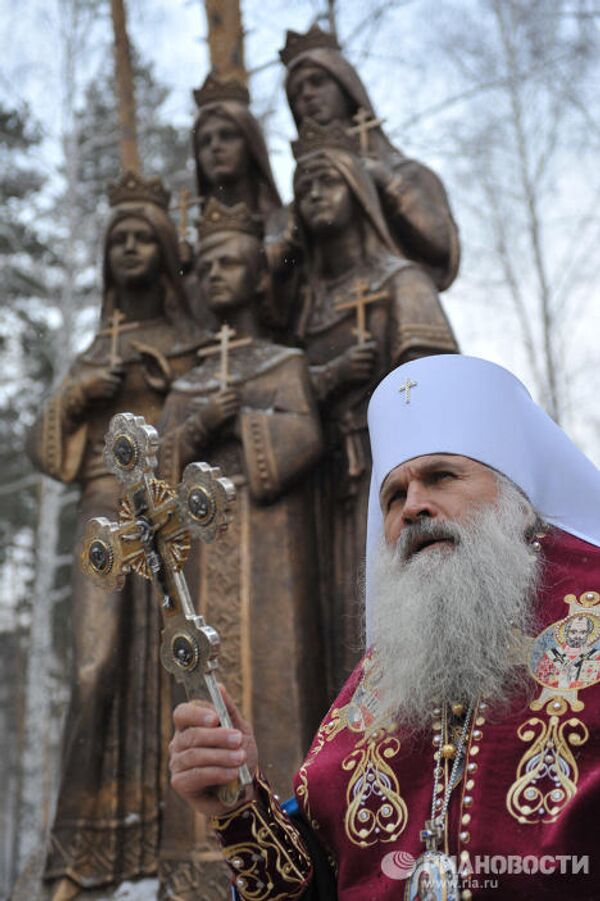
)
(449, 762)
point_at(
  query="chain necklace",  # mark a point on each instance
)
(434, 870)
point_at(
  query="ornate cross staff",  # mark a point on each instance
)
(225, 334)
(152, 539)
(364, 124)
(361, 299)
(115, 330)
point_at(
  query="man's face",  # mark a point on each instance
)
(315, 94)
(227, 276)
(435, 487)
(577, 632)
(323, 198)
(222, 150)
(134, 253)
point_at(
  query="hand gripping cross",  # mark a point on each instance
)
(152, 539)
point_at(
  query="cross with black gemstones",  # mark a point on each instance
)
(152, 539)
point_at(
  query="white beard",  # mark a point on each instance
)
(445, 620)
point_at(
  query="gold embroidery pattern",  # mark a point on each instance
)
(275, 847)
(375, 810)
(564, 659)
(547, 775)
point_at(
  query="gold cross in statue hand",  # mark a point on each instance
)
(114, 330)
(406, 387)
(360, 293)
(225, 334)
(365, 122)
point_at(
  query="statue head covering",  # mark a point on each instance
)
(230, 99)
(468, 406)
(320, 48)
(148, 200)
(331, 143)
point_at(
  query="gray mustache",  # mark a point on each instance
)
(415, 535)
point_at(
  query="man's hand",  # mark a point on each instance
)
(222, 407)
(204, 755)
(356, 364)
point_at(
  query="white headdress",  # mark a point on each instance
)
(463, 405)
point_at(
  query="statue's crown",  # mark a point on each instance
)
(132, 187)
(215, 89)
(297, 43)
(314, 137)
(220, 218)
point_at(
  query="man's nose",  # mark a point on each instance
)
(315, 189)
(418, 505)
(215, 269)
(130, 241)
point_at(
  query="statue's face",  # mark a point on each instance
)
(323, 198)
(315, 94)
(134, 254)
(227, 269)
(222, 150)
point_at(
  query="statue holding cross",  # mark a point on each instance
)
(363, 309)
(248, 408)
(323, 86)
(111, 786)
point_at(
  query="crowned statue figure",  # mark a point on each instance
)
(113, 777)
(232, 162)
(248, 407)
(363, 308)
(323, 86)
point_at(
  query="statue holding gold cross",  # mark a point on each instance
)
(107, 815)
(248, 408)
(363, 309)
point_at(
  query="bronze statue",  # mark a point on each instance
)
(248, 408)
(323, 86)
(113, 775)
(232, 162)
(362, 310)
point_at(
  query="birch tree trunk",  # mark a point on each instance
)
(226, 39)
(125, 91)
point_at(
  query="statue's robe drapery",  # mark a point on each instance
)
(113, 766)
(414, 201)
(526, 808)
(257, 584)
(408, 324)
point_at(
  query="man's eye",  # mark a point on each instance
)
(398, 495)
(443, 474)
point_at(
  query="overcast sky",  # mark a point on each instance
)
(392, 59)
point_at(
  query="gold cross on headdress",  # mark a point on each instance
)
(406, 387)
(360, 293)
(365, 122)
(114, 330)
(225, 334)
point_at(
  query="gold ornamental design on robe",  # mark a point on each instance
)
(375, 809)
(564, 659)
